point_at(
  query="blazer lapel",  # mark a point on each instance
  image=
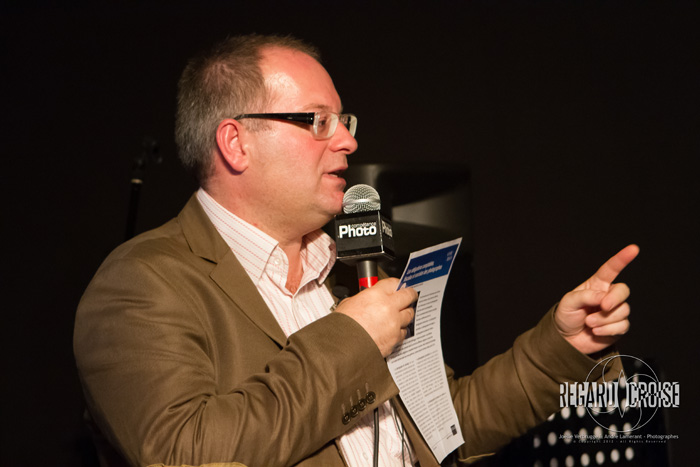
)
(228, 274)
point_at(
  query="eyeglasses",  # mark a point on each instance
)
(323, 123)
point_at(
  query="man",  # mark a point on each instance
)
(211, 338)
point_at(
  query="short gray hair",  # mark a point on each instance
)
(222, 83)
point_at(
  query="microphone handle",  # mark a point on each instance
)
(367, 274)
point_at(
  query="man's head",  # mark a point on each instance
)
(224, 82)
(280, 175)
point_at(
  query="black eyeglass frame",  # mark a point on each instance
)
(305, 117)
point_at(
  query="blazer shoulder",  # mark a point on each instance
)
(167, 239)
(190, 234)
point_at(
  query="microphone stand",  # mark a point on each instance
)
(149, 153)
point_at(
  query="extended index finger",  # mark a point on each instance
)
(614, 266)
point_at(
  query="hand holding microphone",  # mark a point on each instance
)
(383, 312)
(363, 237)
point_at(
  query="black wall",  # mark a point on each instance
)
(579, 124)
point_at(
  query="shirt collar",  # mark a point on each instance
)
(253, 247)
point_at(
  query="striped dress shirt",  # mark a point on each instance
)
(267, 265)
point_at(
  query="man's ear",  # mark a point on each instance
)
(231, 148)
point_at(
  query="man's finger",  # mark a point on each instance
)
(389, 284)
(408, 314)
(578, 299)
(617, 294)
(602, 318)
(405, 297)
(613, 329)
(400, 299)
(614, 266)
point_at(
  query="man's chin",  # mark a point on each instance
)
(333, 212)
(336, 203)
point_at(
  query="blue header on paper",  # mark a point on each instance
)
(429, 266)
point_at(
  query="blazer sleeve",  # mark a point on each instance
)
(143, 351)
(517, 390)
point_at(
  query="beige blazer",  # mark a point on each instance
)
(182, 362)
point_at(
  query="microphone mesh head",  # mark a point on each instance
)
(361, 198)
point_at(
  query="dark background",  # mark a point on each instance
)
(578, 122)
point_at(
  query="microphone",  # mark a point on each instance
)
(363, 235)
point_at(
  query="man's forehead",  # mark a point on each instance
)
(281, 81)
(294, 75)
(313, 107)
(277, 60)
